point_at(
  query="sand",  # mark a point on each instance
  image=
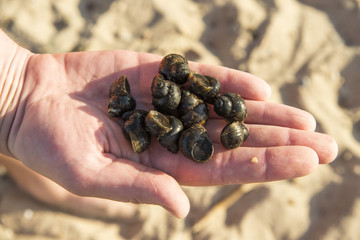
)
(308, 51)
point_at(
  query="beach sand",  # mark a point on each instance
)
(307, 50)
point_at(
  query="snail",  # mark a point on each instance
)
(205, 87)
(231, 107)
(125, 117)
(157, 124)
(234, 134)
(170, 140)
(175, 67)
(166, 129)
(121, 99)
(166, 95)
(135, 128)
(195, 143)
(192, 110)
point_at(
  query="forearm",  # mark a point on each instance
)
(13, 62)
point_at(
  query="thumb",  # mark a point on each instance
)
(129, 181)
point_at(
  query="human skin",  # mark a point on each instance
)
(54, 120)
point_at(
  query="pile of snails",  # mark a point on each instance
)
(180, 99)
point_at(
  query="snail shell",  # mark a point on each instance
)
(205, 87)
(121, 99)
(192, 109)
(175, 67)
(195, 143)
(231, 107)
(120, 87)
(127, 114)
(118, 105)
(166, 95)
(166, 129)
(136, 129)
(233, 135)
(157, 124)
(125, 117)
(170, 140)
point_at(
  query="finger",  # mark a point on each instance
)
(268, 113)
(271, 136)
(247, 85)
(247, 165)
(129, 181)
(268, 136)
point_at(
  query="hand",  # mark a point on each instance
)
(62, 131)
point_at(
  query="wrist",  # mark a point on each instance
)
(13, 63)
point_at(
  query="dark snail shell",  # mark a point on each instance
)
(188, 102)
(199, 115)
(192, 109)
(157, 124)
(166, 95)
(175, 67)
(195, 144)
(231, 107)
(135, 127)
(126, 116)
(205, 87)
(118, 105)
(233, 135)
(121, 99)
(215, 84)
(120, 87)
(170, 140)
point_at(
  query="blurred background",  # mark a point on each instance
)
(307, 50)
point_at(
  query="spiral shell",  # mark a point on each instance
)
(135, 127)
(121, 99)
(166, 95)
(233, 135)
(174, 67)
(231, 107)
(192, 109)
(195, 144)
(157, 124)
(205, 87)
(170, 140)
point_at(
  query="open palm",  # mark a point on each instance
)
(62, 131)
